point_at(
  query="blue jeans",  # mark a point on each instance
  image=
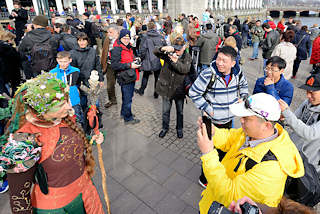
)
(255, 52)
(127, 94)
(166, 107)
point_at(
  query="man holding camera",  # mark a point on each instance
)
(122, 62)
(247, 169)
(170, 86)
(257, 36)
(20, 17)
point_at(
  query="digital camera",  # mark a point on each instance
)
(246, 208)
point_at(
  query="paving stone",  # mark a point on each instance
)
(121, 171)
(190, 210)
(133, 155)
(181, 165)
(193, 195)
(125, 203)
(154, 148)
(114, 188)
(194, 173)
(166, 157)
(170, 204)
(177, 184)
(152, 193)
(145, 163)
(136, 181)
(144, 209)
(161, 173)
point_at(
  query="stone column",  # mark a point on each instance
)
(80, 6)
(113, 6)
(238, 5)
(9, 5)
(297, 14)
(35, 6)
(160, 6)
(225, 6)
(127, 6)
(234, 4)
(59, 6)
(98, 6)
(220, 4)
(216, 4)
(150, 5)
(229, 4)
(211, 4)
(139, 6)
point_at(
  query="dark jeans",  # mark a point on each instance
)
(221, 153)
(145, 79)
(83, 100)
(296, 66)
(166, 107)
(79, 114)
(111, 82)
(245, 40)
(127, 94)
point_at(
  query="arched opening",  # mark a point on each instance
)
(289, 13)
(305, 13)
(275, 13)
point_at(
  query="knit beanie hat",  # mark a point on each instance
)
(40, 20)
(123, 33)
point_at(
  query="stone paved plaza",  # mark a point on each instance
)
(148, 175)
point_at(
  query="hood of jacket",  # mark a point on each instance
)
(67, 36)
(153, 33)
(39, 35)
(209, 34)
(284, 149)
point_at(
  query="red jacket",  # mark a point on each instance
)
(126, 57)
(315, 56)
(281, 26)
(272, 25)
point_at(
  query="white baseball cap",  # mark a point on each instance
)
(262, 105)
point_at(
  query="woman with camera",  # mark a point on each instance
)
(170, 86)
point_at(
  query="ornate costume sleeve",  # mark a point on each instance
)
(20, 189)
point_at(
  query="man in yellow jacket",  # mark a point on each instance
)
(232, 178)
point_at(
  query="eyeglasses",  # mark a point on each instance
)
(271, 69)
(248, 106)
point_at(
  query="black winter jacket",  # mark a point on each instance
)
(269, 43)
(21, 19)
(148, 44)
(86, 59)
(304, 45)
(10, 64)
(68, 41)
(171, 79)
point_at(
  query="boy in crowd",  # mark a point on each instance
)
(274, 83)
(70, 75)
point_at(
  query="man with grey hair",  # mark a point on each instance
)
(112, 34)
(233, 31)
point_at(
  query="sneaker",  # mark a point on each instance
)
(4, 188)
(202, 184)
(180, 134)
(293, 77)
(132, 122)
(163, 133)
(155, 95)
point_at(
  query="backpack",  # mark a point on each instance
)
(304, 190)
(213, 80)
(42, 57)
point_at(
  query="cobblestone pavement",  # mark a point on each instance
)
(146, 174)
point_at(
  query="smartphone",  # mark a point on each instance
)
(206, 120)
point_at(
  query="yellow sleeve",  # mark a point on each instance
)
(264, 183)
(223, 139)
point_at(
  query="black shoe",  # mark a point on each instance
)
(138, 92)
(155, 95)
(121, 116)
(163, 133)
(132, 122)
(179, 133)
(109, 104)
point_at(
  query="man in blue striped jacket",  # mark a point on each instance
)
(216, 88)
(219, 86)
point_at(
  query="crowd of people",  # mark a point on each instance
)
(51, 75)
